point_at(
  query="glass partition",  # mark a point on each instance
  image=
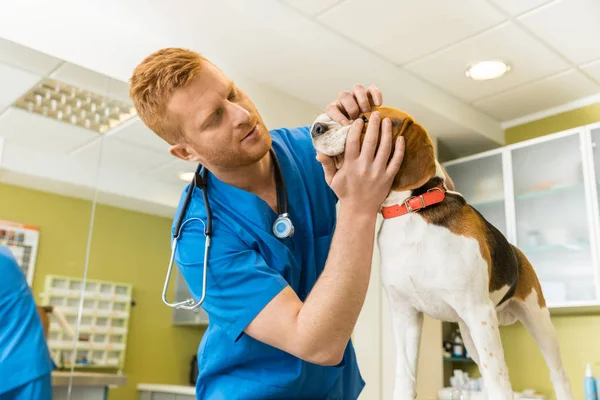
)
(48, 173)
(551, 218)
(481, 182)
(132, 332)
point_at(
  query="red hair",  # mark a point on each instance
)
(153, 82)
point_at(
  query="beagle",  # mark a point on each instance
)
(442, 258)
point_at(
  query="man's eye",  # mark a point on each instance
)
(233, 95)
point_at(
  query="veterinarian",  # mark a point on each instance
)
(281, 310)
(25, 363)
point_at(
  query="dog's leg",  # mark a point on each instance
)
(468, 341)
(482, 321)
(407, 324)
(537, 321)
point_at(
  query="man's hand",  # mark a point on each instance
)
(365, 179)
(350, 104)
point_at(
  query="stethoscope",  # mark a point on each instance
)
(282, 227)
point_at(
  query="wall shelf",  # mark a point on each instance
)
(556, 190)
(103, 326)
(462, 360)
(489, 203)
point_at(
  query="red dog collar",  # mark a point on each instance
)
(415, 203)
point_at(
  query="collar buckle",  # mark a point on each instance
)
(414, 210)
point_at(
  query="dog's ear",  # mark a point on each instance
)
(418, 165)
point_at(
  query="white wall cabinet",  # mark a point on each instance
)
(186, 317)
(543, 195)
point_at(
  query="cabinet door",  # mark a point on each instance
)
(186, 317)
(552, 223)
(596, 155)
(481, 182)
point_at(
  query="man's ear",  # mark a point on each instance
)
(183, 152)
(418, 165)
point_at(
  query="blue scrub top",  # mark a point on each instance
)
(248, 266)
(24, 354)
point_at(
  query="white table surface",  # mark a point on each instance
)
(173, 389)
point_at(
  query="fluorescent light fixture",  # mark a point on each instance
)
(186, 176)
(75, 106)
(486, 70)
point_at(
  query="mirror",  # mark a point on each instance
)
(48, 176)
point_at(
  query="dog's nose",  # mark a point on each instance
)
(318, 129)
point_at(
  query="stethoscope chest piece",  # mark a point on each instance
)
(283, 227)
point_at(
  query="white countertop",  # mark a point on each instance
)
(174, 389)
(61, 378)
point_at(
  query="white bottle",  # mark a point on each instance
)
(458, 346)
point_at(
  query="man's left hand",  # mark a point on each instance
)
(349, 105)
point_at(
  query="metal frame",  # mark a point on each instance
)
(510, 212)
(592, 194)
(591, 190)
(545, 138)
(474, 157)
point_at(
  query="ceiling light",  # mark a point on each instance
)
(485, 70)
(186, 176)
(75, 106)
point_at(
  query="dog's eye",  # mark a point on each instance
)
(365, 120)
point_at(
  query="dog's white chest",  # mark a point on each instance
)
(428, 266)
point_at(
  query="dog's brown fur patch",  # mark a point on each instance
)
(418, 164)
(461, 219)
(528, 281)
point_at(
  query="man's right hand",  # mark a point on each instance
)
(364, 180)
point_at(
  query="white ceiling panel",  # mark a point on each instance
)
(405, 29)
(49, 165)
(93, 82)
(560, 89)
(570, 26)
(37, 131)
(26, 58)
(14, 83)
(446, 68)
(128, 159)
(138, 134)
(516, 7)
(169, 172)
(312, 7)
(593, 69)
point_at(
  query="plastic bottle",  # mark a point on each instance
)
(458, 349)
(589, 384)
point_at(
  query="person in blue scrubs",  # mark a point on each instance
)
(25, 362)
(281, 311)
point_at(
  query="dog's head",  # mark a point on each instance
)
(418, 165)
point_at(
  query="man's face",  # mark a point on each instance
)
(220, 125)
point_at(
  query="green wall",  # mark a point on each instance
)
(128, 247)
(556, 123)
(577, 334)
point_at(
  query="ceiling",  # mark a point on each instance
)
(128, 166)
(549, 45)
(292, 57)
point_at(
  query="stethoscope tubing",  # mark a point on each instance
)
(200, 181)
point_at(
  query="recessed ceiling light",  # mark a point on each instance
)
(76, 106)
(485, 70)
(186, 176)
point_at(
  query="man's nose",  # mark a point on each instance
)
(318, 129)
